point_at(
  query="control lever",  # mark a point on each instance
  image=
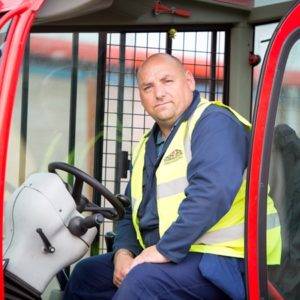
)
(78, 226)
(47, 246)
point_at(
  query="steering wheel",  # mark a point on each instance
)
(117, 201)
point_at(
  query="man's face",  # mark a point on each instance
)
(166, 89)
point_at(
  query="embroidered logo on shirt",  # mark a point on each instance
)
(173, 156)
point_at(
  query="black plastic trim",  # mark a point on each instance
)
(16, 288)
(212, 89)
(132, 28)
(24, 114)
(73, 103)
(99, 125)
(119, 133)
(169, 42)
(226, 67)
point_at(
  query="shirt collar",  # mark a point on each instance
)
(159, 139)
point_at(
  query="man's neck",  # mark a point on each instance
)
(165, 131)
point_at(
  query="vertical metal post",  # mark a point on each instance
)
(212, 90)
(99, 124)
(226, 68)
(24, 114)
(73, 103)
(73, 108)
(168, 44)
(119, 132)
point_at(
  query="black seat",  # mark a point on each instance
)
(284, 181)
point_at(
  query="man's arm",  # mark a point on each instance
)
(219, 157)
(125, 245)
(125, 233)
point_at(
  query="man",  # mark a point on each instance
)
(182, 238)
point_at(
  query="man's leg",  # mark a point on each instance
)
(92, 279)
(168, 281)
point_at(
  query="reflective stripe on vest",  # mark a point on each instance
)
(211, 237)
(233, 232)
(172, 187)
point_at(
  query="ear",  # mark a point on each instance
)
(190, 80)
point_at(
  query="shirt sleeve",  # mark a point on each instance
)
(125, 233)
(219, 157)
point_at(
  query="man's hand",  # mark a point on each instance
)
(123, 260)
(150, 255)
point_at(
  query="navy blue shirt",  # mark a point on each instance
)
(220, 146)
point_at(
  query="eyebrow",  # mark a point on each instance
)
(166, 76)
(146, 84)
(163, 78)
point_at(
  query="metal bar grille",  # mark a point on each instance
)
(120, 118)
(203, 53)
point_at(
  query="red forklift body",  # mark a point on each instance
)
(19, 15)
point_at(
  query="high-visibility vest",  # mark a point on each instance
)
(226, 237)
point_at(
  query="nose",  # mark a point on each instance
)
(160, 92)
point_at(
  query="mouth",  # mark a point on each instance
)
(162, 104)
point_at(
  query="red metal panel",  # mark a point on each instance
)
(286, 27)
(22, 17)
(10, 5)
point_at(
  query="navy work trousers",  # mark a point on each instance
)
(92, 279)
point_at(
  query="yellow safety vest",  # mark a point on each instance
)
(226, 237)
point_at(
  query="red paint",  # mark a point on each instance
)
(159, 8)
(9, 71)
(22, 15)
(11, 5)
(288, 25)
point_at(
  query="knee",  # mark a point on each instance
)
(93, 269)
(90, 278)
(79, 273)
(141, 273)
(75, 282)
(138, 284)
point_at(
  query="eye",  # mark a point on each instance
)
(168, 80)
(147, 88)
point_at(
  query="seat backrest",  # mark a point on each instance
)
(284, 181)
